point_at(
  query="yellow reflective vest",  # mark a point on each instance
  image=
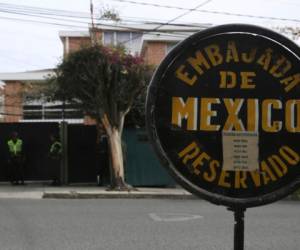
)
(15, 148)
(56, 149)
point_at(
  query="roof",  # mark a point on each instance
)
(167, 37)
(68, 33)
(151, 31)
(144, 28)
(151, 26)
(35, 75)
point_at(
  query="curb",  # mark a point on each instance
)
(292, 197)
(126, 195)
(133, 195)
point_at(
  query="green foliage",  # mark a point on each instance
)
(101, 80)
(110, 14)
(136, 116)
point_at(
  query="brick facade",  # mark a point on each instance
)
(13, 92)
(154, 52)
(2, 99)
(72, 44)
(76, 43)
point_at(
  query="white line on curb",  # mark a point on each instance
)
(174, 216)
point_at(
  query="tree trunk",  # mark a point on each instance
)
(115, 145)
(116, 154)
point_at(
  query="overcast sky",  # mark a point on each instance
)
(34, 45)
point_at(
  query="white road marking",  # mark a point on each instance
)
(174, 216)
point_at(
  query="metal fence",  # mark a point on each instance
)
(36, 142)
(83, 160)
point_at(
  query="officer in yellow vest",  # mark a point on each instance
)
(55, 152)
(16, 159)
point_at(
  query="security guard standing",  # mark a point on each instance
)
(16, 159)
(55, 153)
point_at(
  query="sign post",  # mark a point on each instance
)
(223, 114)
(239, 228)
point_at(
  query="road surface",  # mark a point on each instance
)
(144, 224)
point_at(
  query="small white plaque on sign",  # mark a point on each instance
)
(240, 151)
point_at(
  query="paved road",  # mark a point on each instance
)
(142, 225)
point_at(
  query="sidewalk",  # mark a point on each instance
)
(34, 191)
(40, 191)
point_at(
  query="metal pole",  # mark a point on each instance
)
(63, 109)
(239, 227)
(64, 161)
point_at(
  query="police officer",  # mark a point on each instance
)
(55, 152)
(16, 159)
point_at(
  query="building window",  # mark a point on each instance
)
(108, 38)
(132, 41)
(52, 112)
(123, 37)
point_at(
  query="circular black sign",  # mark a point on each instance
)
(223, 112)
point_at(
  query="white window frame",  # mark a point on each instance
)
(43, 110)
(129, 44)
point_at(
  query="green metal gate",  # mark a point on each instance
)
(142, 166)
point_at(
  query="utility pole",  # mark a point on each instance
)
(92, 13)
(93, 28)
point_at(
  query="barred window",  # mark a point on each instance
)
(51, 112)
